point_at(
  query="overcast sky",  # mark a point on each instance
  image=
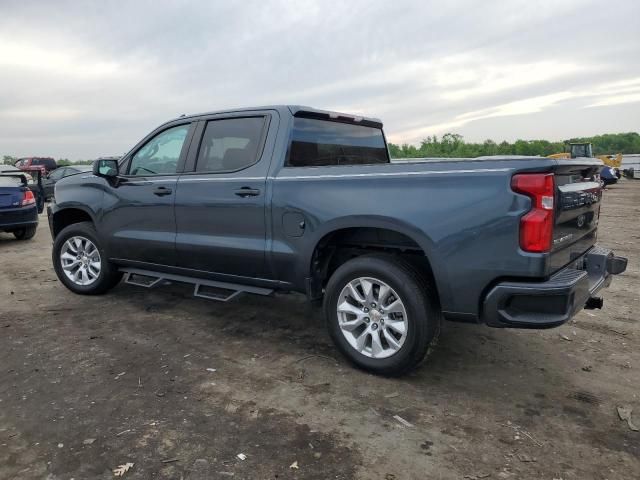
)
(86, 79)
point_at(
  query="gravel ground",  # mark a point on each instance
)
(180, 386)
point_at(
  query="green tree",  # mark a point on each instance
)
(453, 145)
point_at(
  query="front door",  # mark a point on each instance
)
(139, 218)
(220, 205)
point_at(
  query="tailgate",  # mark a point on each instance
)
(578, 196)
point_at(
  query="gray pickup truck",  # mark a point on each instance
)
(292, 198)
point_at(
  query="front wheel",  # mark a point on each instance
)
(81, 263)
(381, 313)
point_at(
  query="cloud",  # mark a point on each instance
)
(86, 80)
(41, 60)
(615, 93)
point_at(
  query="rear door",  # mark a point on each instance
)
(221, 198)
(138, 217)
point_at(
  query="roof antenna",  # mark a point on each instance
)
(183, 115)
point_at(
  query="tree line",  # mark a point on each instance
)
(453, 145)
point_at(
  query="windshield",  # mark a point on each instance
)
(581, 151)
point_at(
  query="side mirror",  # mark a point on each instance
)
(105, 168)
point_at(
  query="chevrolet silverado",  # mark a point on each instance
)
(292, 198)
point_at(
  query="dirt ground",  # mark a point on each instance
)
(90, 383)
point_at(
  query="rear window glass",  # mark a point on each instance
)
(6, 181)
(317, 143)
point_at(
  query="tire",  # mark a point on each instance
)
(99, 274)
(26, 233)
(420, 316)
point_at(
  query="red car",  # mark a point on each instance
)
(44, 164)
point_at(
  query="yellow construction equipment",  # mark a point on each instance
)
(577, 150)
(612, 160)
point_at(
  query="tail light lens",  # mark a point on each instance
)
(28, 199)
(536, 226)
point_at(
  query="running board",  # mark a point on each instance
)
(209, 289)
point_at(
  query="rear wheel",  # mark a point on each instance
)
(81, 263)
(381, 313)
(26, 233)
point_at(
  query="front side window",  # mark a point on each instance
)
(230, 144)
(317, 143)
(160, 155)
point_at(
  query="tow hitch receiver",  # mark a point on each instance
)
(616, 265)
(593, 303)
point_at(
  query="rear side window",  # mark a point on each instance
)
(230, 144)
(317, 143)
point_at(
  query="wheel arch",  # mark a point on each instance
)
(361, 235)
(68, 216)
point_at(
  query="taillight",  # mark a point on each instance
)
(536, 226)
(28, 199)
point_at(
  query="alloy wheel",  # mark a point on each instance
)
(372, 317)
(80, 260)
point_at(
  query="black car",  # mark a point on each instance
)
(49, 182)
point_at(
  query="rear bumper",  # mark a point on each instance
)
(16, 218)
(553, 302)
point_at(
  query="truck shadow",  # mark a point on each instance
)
(476, 358)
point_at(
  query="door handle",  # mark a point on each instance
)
(161, 191)
(247, 192)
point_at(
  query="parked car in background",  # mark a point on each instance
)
(609, 176)
(44, 164)
(34, 182)
(18, 204)
(49, 182)
(631, 166)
